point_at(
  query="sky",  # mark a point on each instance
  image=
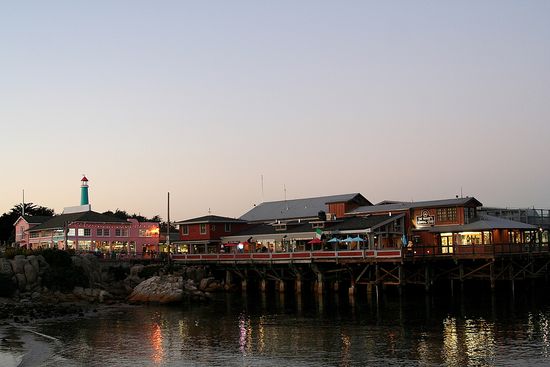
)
(397, 100)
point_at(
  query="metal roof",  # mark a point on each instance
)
(298, 208)
(484, 223)
(306, 228)
(210, 219)
(397, 206)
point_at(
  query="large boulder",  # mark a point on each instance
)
(31, 273)
(43, 265)
(21, 281)
(18, 264)
(158, 289)
(5, 267)
(33, 260)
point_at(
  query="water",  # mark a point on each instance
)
(412, 330)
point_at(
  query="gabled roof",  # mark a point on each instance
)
(33, 219)
(359, 223)
(484, 223)
(333, 226)
(298, 208)
(59, 221)
(388, 206)
(210, 219)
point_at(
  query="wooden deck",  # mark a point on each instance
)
(370, 256)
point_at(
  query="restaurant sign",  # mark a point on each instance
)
(425, 219)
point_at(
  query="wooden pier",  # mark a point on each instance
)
(419, 266)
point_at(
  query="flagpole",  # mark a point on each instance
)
(168, 235)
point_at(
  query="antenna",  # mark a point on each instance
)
(461, 192)
(23, 205)
(286, 204)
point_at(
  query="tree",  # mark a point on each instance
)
(7, 220)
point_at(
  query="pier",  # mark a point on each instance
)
(356, 270)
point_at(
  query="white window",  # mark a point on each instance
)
(227, 227)
(121, 232)
(203, 228)
(185, 230)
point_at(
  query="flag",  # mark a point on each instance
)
(318, 233)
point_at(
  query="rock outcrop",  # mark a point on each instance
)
(158, 289)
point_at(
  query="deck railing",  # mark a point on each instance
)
(303, 256)
(465, 251)
(390, 254)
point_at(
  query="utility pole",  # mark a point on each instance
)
(168, 235)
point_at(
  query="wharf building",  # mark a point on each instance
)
(83, 230)
(390, 243)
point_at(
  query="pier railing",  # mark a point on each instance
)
(287, 257)
(477, 251)
(389, 254)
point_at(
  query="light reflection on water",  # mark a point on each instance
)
(266, 331)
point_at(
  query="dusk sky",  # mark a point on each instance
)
(401, 100)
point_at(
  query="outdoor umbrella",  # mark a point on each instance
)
(358, 239)
(334, 239)
(315, 241)
(348, 239)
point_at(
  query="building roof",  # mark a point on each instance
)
(59, 221)
(387, 205)
(484, 223)
(262, 231)
(210, 219)
(298, 208)
(36, 219)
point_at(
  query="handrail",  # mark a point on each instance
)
(290, 256)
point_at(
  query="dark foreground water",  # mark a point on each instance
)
(412, 330)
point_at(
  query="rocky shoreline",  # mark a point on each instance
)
(102, 284)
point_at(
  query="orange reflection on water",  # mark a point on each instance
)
(156, 343)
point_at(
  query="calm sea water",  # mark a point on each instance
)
(475, 329)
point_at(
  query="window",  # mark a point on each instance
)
(203, 228)
(213, 227)
(446, 214)
(99, 232)
(71, 232)
(106, 232)
(227, 227)
(34, 235)
(87, 232)
(185, 230)
(121, 232)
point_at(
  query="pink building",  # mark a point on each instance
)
(22, 226)
(82, 229)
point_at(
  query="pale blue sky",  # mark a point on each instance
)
(404, 100)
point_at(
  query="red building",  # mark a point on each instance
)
(203, 234)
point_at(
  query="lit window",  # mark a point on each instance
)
(446, 214)
(203, 228)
